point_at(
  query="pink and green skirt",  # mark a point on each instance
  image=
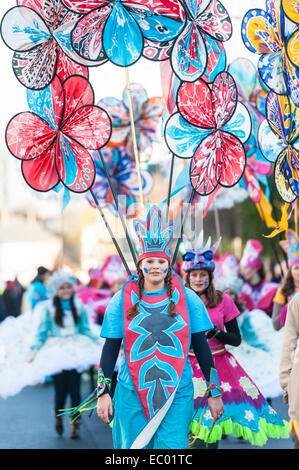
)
(247, 414)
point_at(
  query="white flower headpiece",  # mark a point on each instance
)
(59, 278)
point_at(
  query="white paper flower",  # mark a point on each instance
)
(200, 387)
(226, 387)
(233, 361)
(208, 415)
(249, 387)
(249, 415)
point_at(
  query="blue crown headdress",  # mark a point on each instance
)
(200, 258)
(154, 234)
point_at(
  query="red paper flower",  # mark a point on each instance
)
(52, 138)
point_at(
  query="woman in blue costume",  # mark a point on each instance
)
(157, 319)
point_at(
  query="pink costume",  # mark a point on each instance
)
(246, 414)
(96, 298)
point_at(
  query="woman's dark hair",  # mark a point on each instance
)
(41, 271)
(287, 284)
(133, 311)
(262, 273)
(59, 311)
(214, 297)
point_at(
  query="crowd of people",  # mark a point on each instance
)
(206, 344)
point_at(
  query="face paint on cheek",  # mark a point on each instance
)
(206, 283)
(165, 271)
(145, 270)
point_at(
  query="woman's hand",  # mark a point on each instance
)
(104, 407)
(216, 407)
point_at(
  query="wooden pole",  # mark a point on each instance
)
(169, 186)
(111, 233)
(134, 140)
(131, 246)
(182, 229)
(217, 223)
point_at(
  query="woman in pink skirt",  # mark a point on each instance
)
(247, 414)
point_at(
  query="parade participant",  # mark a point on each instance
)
(259, 351)
(65, 318)
(289, 366)
(246, 412)
(156, 317)
(104, 282)
(113, 274)
(38, 289)
(290, 283)
(95, 296)
(256, 292)
(12, 298)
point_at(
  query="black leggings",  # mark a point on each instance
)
(66, 383)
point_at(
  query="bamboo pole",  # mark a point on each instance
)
(182, 229)
(130, 243)
(111, 233)
(169, 186)
(217, 224)
(134, 140)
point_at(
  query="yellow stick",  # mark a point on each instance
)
(134, 139)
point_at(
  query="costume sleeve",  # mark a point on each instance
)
(43, 328)
(230, 309)
(199, 317)
(279, 298)
(113, 318)
(108, 358)
(205, 360)
(277, 307)
(232, 334)
(289, 343)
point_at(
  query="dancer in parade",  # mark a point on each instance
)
(259, 351)
(65, 318)
(246, 412)
(257, 292)
(290, 283)
(104, 282)
(289, 366)
(157, 318)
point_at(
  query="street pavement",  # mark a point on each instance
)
(27, 423)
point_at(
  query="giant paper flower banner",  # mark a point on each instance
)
(117, 30)
(147, 119)
(250, 92)
(291, 10)
(39, 33)
(123, 176)
(256, 171)
(53, 138)
(199, 50)
(279, 142)
(210, 128)
(269, 33)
